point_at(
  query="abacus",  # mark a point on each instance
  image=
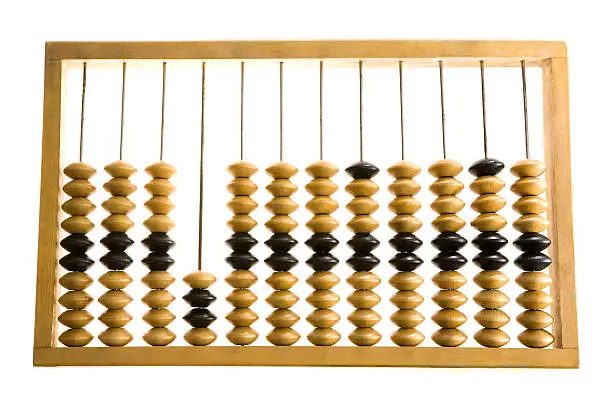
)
(354, 308)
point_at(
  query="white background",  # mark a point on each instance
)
(25, 26)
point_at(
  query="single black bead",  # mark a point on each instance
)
(158, 242)
(76, 262)
(199, 298)
(116, 260)
(532, 242)
(490, 260)
(241, 260)
(322, 261)
(200, 317)
(486, 167)
(76, 243)
(241, 242)
(363, 242)
(406, 261)
(363, 262)
(449, 260)
(532, 261)
(281, 242)
(322, 242)
(405, 242)
(362, 170)
(281, 261)
(158, 261)
(449, 241)
(489, 241)
(117, 241)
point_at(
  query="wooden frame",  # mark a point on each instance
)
(550, 56)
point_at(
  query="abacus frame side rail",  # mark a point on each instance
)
(334, 356)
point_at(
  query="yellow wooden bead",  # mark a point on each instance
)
(241, 223)
(79, 188)
(407, 318)
(118, 205)
(528, 186)
(447, 204)
(405, 223)
(363, 299)
(448, 223)
(324, 337)
(364, 336)
(491, 337)
(533, 280)
(283, 336)
(281, 206)
(76, 299)
(242, 336)
(492, 318)
(404, 187)
(282, 299)
(159, 317)
(282, 280)
(281, 224)
(406, 281)
(445, 168)
(446, 186)
(115, 317)
(323, 318)
(322, 224)
(491, 299)
(534, 299)
(115, 280)
(449, 299)
(242, 169)
(281, 188)
(120, 168)
(528, 168)
(161, 170)
(530, 205)
(242, 317)
(241, 279)
(363, 280)
(322, 169)
(364, 318)
(406, 299)
(405, 205)
(323, 280)
(536, 338)
(115, 337)
(488, 203)
(449, 280)
(158, 298)
(159, 223)
(159, 336)
(159, 205)
(321, 187)
(535, 319)
(407, 337)
(283, 318)
(362, 188)
(404, 169)
(75, 280)
(200, 279)
(449, 337)
(115, 299)
(491, 279)
(489, 222)
(487, 185)
(200, 336)
(77, 225)
(282, 170)
(119, 187)
(449, 318)
(75, 319)
(242, 186)
(322, 205)
(160, 186)
(241, 298)
(78, 206)
(117, 223)
(322, 299)
(362, 223)
(158, 279)
(362, 206)
(75, 338)
(530, 223)
(79, 171)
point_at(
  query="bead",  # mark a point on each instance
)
(241, 223)
(533, 280)
(75, 319)
(77, 225)
(159, 223)
(406, 262)
(240, 260)
(283, 336)
(491, 279)
(118, 223)
(76, 262)
(489, 241)
(78, 243)
(322, 205)
(490, 260)
(242, 317)
(532, 261)
(363, 262)
(528, 168)
(362, 188)
(281, 242)
(364, 318)
(404, 169)
(323, 169)
(488, 203)
(530, 205)
(407, 318)
(115, 299)
(242, 169)
(242, 336)
(407, 337)
(159, 186)
(362, 170)
(362, 206)
(76, 299)
(159, 336)
(406, 281)
(281, 223)
(79, 171)
(445, 168)
(534, 299)
(200, 317)
(278, 205)
(322, 242)
(535, 319)
(449, 299)
(321, 187)
(199, 279)
(491, 299)
(405, 223)
(158, 242)
(115, 337)
(117, 241)
(528, 186)
(449, 241)
(446, 186)
(449, 280)
(76, 281)
(449, 337)
(404, 205)
(362, 223)
(241, 186)
(530, 223)
(158, 298)
(491, 337)
(491, 318)
(487, 185)
(536, 338)
(116, 260)
(281, 188)
(161, 170)
(323, 280)
(322, 299)
(363, 299)
(78, 206)
(158, 261)
(282, 280)
(199, 298)
(200, 336)
(120, 187)
(323, 318)
(405, 242)
(79, 188)
(532, 242)
(241, 242)
(406, 299)
(159, 205)
(241, 279)
(115, 280)
(449, 260)
(322, 262)
(363, 336)
(363, 280)
(449, 318)
(363, 242)
(322, 224)
(75, 338)
(282, 299)
(447, 204)
(282, 170)
(120, 168)
(115, 317)
(486, 167)
(281, 261)
(404, 187)
(283, 318)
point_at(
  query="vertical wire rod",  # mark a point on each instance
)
(443, 115)
(525, 114)
(484, 109)
(361, 110)
(321, 109)
(242, 110)
(201, 208)
(124, 68)
(280, 104)
(163, 112)
(401, 101)
(84, 86)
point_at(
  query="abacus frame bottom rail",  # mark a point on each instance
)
(339, 356)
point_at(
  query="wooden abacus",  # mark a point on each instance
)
(546, 264)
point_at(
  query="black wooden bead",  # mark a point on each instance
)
(405, 242)
(490, 260)
(449, 241)
(241, 260)
(532, 242)
(200, 317)
(76, 243)
(76, 262)
(362, 170)
(281, 261)
(486, 167)
(489, 241)
(158, 261)
(363, 262)
(116, 260)
(322, 242)
(363, 242)
(241, 242)
(449, 260)
(281, 242)
(199, 298)
(322, 261)
(532, 261)
(158, 242)
(117, 241)
(406, 261)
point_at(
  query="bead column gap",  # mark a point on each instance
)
(241, 242)
(158, 242)
(531, 242)
(199, 298)
(362, 188)
(489, 242)
(448, 242)
(322, 224)
(281, 242)
(76, 262)
(117, 241)
(405, 224)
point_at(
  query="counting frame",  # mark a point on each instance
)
(563, 353)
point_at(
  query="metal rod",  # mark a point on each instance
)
(484, 109)
(201, 207)
(525, 114)
(401, 100)
(321, 109)
(280, 103)
(163, 112)
(84, 85)
(440, 67)
(361, 110)
(242, 110)
(124, 68)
